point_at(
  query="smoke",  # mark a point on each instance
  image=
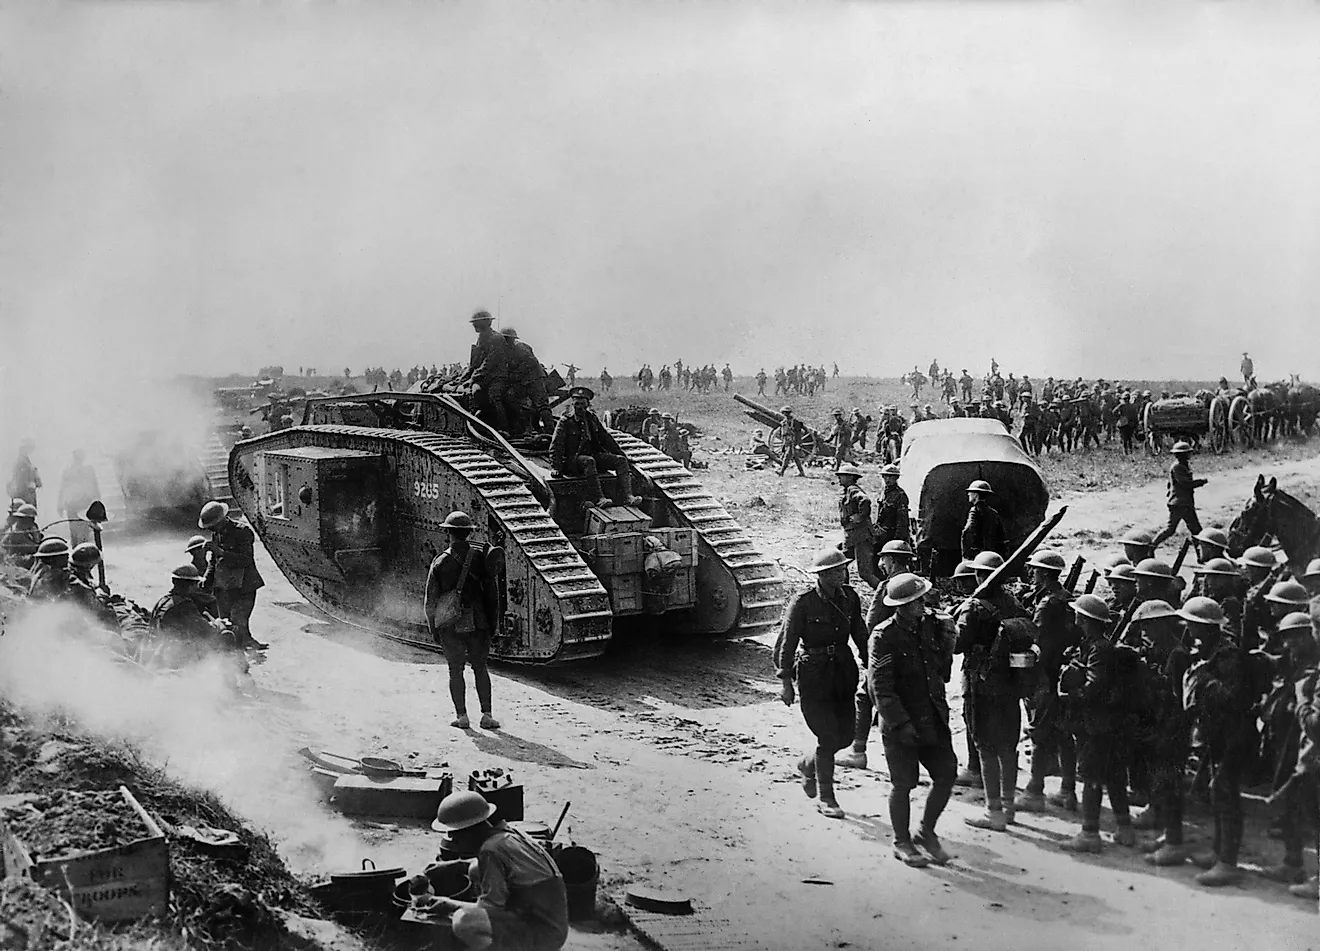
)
(1074, 188)
(188, 722)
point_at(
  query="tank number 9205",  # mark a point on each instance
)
(426, 490)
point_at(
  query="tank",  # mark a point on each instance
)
(349, 504)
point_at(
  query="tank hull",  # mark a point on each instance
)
(352, 516)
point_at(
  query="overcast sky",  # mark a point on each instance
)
(1073, 188)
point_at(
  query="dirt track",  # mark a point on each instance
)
(677, 760)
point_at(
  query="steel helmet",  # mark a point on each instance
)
(1153, 568)
(987, 561)
(1295, 621)
(1110, 562)
(1089, 605)
(1181, 448)
(786, 410)
(1313, 569)
(828, 558)
(1050, 560)
(1145, 393)
(196, 542)
(85, 555)
(1258, 556)
(1202, 611)
(457, 520)
(848, 469)
(666, 415)
(1123, 572)
(1153, 611)
(53, 548)
(461, 810)
(1289, 592)
(890, 470)
(26, 510)
(837, 411)
(980, 485)
(213, 513)
(187, 572)
(509, 332)
(1137, 537)
(479, 316)
(905, 588)
(898, 547)
(965, 569)
(1216, 566)
(1213, 536)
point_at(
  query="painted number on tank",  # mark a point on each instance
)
(426, 490)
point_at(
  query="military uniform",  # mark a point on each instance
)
(892, 520)
(235, 576)
(760, 383)
(188, 635)
(788, 432)
(488, 369)
(984, 531)
(1088, 689)
(1051, 742)
(25, 479)
(467, 639)
(1182, 504)
(812, 651)
(581, 446)
(910, 663)
(841, 433)
(858, 543)
(50, 582)
(1166, 736)
(526, 391)
(19, 545)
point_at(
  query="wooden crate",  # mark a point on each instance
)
(681, 541)
(119, 884)
(682, 593)
(412, 797)
(616, 519)
(613, 554)
(625, 593)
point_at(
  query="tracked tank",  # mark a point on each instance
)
(349, 505)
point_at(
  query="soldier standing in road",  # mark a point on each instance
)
(462, 624)
(25, 479)
(789, 433)
(892, 520)
(234, 570)
(911, 659)
(813, 652)
(855, 517)
(1182, 494)
(581, 446)
(78, 489)
(984, 530)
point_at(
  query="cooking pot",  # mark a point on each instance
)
(369, 890)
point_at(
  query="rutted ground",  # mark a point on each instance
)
(677, 759)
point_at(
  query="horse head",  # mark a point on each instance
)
(1253, 522)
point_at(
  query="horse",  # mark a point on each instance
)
(1272, 511)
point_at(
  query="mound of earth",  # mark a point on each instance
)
(64, 822)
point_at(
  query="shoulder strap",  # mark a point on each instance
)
(463, 573)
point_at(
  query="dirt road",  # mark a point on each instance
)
(677, 759)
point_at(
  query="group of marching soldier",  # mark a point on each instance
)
(1127, 693)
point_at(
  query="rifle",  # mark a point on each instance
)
(1124, 622)
(1092, 581)
(1013, 564)
(1182, 555)
(1074, 573)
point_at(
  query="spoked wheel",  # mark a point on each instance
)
(1154, 440)
(1241, 423)
(1219, 434)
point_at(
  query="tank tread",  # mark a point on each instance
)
(760, 583)
(578, 591)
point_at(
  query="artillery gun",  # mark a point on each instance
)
(350, 502)
(811, 442)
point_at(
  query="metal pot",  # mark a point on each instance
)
(370, 890)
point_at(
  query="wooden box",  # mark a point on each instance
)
(413, 797)
(118, 884)
(680, 593)
(507, 800)
(616, 519)
(625, 593)
(681, 541)
(614, 554)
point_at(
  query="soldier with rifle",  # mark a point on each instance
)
(790, 433)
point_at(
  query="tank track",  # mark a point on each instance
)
(759, 581)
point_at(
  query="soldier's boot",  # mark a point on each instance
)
(1146, 819)
(1083, 842)
(927, 840)
(1030, 800)
(993, 819)
(1167, 855)
(1205, 860)
(1285, 873)
(594, 489)
(828, 805)
(1065, 798)
(623, 481)
(1125, 835)
(807, 770)
(852, 757)
(1309, 890)
(1219, 875)
(855, 756)
(1010, 812)
(907, 853)
(968, 778)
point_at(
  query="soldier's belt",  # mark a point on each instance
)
(828, 650)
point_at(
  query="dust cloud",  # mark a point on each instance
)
(1093, 189)
(188, 722)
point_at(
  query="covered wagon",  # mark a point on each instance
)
(940, 458)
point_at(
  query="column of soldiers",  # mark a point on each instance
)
(800, 380)
(1125, 695)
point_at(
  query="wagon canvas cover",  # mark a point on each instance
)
(941, 457)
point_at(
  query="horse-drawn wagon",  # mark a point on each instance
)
(940, 458)
(1219, 419)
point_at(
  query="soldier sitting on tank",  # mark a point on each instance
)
(526, 387)
(582, 447)
(488, 373)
